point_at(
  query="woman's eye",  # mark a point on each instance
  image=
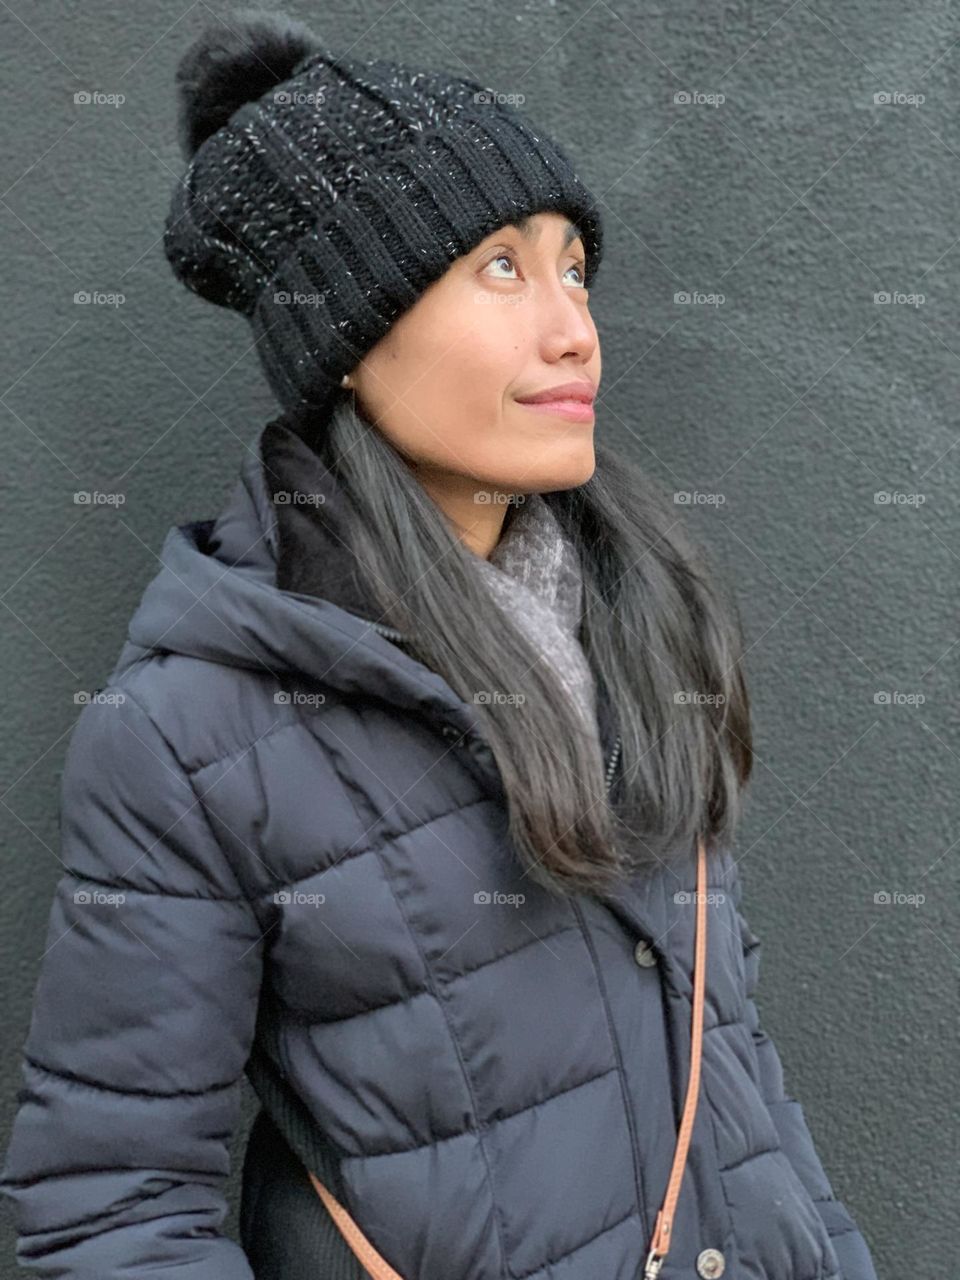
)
(576, 267)
(501, 257)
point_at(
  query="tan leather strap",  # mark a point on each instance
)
(378, 1267)
(371, 1261)
(661, 1232)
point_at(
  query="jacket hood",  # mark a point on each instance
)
(220, 595)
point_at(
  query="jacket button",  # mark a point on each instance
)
(644, 954)
(452, 733)
(710, 1263)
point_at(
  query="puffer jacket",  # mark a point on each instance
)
(286, 854)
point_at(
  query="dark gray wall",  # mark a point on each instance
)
(796, 399)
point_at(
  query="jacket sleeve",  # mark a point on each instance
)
(142, 1020)
(788, 1119)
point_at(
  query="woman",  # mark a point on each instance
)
(397, 797)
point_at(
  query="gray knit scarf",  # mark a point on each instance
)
(534, 574)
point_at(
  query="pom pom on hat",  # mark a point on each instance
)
(235, 60)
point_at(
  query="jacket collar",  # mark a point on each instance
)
(218, 596)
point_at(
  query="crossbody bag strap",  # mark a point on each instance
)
(371, 1261)
(664, 1224)
(379, 1269)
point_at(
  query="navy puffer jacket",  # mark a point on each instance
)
(285, 853)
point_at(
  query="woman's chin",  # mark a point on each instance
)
(563, 464)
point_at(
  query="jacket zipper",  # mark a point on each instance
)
(613, 763)
(391, 633)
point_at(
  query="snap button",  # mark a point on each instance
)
(710, 1264)
(643, 953)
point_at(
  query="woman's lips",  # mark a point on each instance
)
(572, 410)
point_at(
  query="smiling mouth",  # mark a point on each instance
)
(572, 410)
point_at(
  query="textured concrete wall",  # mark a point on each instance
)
(782, 197)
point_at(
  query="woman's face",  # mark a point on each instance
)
(506, 321)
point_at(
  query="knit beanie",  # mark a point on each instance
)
(324, 194)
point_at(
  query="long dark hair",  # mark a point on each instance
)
(657, 631)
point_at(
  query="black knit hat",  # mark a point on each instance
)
(325, 194)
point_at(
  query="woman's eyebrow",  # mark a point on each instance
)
(531, 231)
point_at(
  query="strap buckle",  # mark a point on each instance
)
(651, 1268)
